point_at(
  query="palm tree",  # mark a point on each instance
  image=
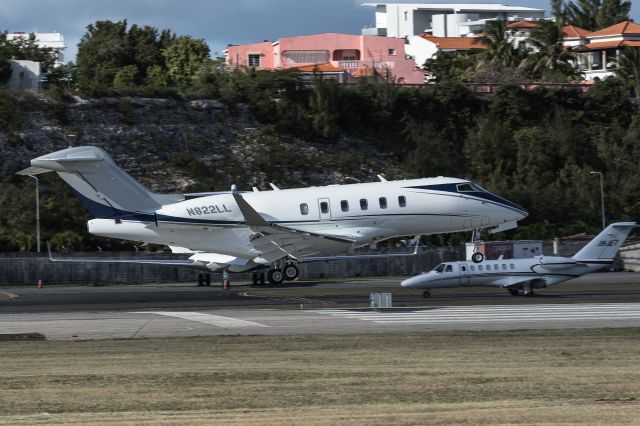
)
(549, 57)
(629, 68)
(498, 46)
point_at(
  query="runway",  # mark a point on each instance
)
(108, 325)
(312, 307)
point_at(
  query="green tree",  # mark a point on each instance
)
(451, 66)
(549, 60)
(102, 51)
(629, 68)
(597, 14)
(323, 103)
(157, 77)
(184, 57)
(498, 45)
(5, 55)
(126, 77)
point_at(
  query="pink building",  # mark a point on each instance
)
(353, 55)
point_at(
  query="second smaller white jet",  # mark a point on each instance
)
(526, 274)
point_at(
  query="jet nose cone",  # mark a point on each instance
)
(413, 281)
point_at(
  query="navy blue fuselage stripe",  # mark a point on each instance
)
(453, 188)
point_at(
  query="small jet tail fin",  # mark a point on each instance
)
(105, 190)
(606, 244)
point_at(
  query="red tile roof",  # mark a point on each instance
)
(623, 28)
(522, 24)
(457, 43)
(571, 31)
(320, 68)
(612, 44)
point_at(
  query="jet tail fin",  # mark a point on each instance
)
(105, 189)
(606, 244)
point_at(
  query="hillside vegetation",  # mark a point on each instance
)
(533, 147)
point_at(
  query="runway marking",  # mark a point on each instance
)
(217, 320)
(5, 295)
(496, 313)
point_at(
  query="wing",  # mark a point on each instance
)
(540, 281)
(274, 242)
(200, 261)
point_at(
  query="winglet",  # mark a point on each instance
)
(251, 216)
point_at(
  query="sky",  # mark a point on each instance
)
(219, 22)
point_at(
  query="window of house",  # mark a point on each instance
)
(304, 208)
(305, 56)
(596, 60)
(344, 205)
(254, 60)
(363, 204)
(402, 201)
(324, 207)
(383, 202)
(392, 52)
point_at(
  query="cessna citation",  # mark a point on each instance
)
(239, 231)
(526, 274)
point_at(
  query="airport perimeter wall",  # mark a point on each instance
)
(28, 268)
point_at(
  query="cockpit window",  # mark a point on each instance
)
(439, 268)
(470, 187)
(465, 187)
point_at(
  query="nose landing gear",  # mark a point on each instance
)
(476, 257)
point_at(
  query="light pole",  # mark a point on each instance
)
(604, 222)
(37, 212)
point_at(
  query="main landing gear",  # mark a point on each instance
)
(476, 257)
(525, 292)
(288, 272)
(426, 294)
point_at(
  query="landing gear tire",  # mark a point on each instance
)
(530, 294)
(513, 292)
(426, 294)
(275, 276)
(200, 280)
(477, 257)
(291, 272)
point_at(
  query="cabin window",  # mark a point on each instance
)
(344, 205)
(383, 202)
(512, 266)
(504, 266)
(480, 268)
(304, 208)
(448, 269)
(363, 204)
(472, 268)
(464, 268)
(402, 201)
(496, 267)
(324, 207)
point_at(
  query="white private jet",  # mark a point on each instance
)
(239, 231)
(526, 274)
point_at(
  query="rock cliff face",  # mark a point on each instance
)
(176, 145)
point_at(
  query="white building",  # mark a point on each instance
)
(25, 75)
(53, 41)
(442, 20)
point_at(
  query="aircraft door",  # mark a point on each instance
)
(464, 274)
(324, 209)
